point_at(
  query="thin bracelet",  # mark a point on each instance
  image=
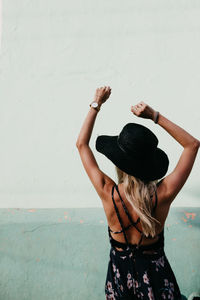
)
(156, 118)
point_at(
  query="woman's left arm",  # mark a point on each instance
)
(98, 178)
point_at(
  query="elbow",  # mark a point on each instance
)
(77, 144)
(80, 145)
(196, 144)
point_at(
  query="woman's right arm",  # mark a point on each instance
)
(172, 183)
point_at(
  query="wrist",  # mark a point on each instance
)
(97, 101)
(155, 116)
(96, 105)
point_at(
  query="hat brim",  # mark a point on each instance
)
(144, 169)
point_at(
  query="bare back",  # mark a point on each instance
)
(132, 233)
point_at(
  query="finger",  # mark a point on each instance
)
(108, 89)
(142, 103)
(135, 113)
(133, 109)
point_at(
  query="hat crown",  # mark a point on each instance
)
(137, 140)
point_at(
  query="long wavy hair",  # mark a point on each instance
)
(139, 193)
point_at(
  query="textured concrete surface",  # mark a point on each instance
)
(51, 254)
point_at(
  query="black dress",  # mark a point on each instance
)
(134, 273)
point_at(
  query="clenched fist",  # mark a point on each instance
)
(102, 94)
(143, 110)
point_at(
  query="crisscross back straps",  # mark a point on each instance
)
(127, 213)
(119, 218)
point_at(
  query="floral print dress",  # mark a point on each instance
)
(138, 271)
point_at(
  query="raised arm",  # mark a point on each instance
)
(172, 183)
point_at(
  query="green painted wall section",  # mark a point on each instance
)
(63, 253)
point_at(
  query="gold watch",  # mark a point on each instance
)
(95, 105)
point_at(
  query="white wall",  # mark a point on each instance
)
(54, 54)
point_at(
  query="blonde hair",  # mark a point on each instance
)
(138, 193)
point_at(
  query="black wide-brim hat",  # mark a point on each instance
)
(135, 152)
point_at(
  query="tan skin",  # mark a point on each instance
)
(167, 190)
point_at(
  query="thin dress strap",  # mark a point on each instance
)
(120, 231)
(126, 211)
(129, 217)
(119, 218)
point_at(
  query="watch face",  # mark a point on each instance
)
(94, 104)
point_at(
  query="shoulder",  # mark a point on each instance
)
(163, 206)
(162, 193)
(107, 192)
(107, 198)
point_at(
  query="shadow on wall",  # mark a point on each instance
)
(64, 253)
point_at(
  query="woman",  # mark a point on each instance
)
(137, 207)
